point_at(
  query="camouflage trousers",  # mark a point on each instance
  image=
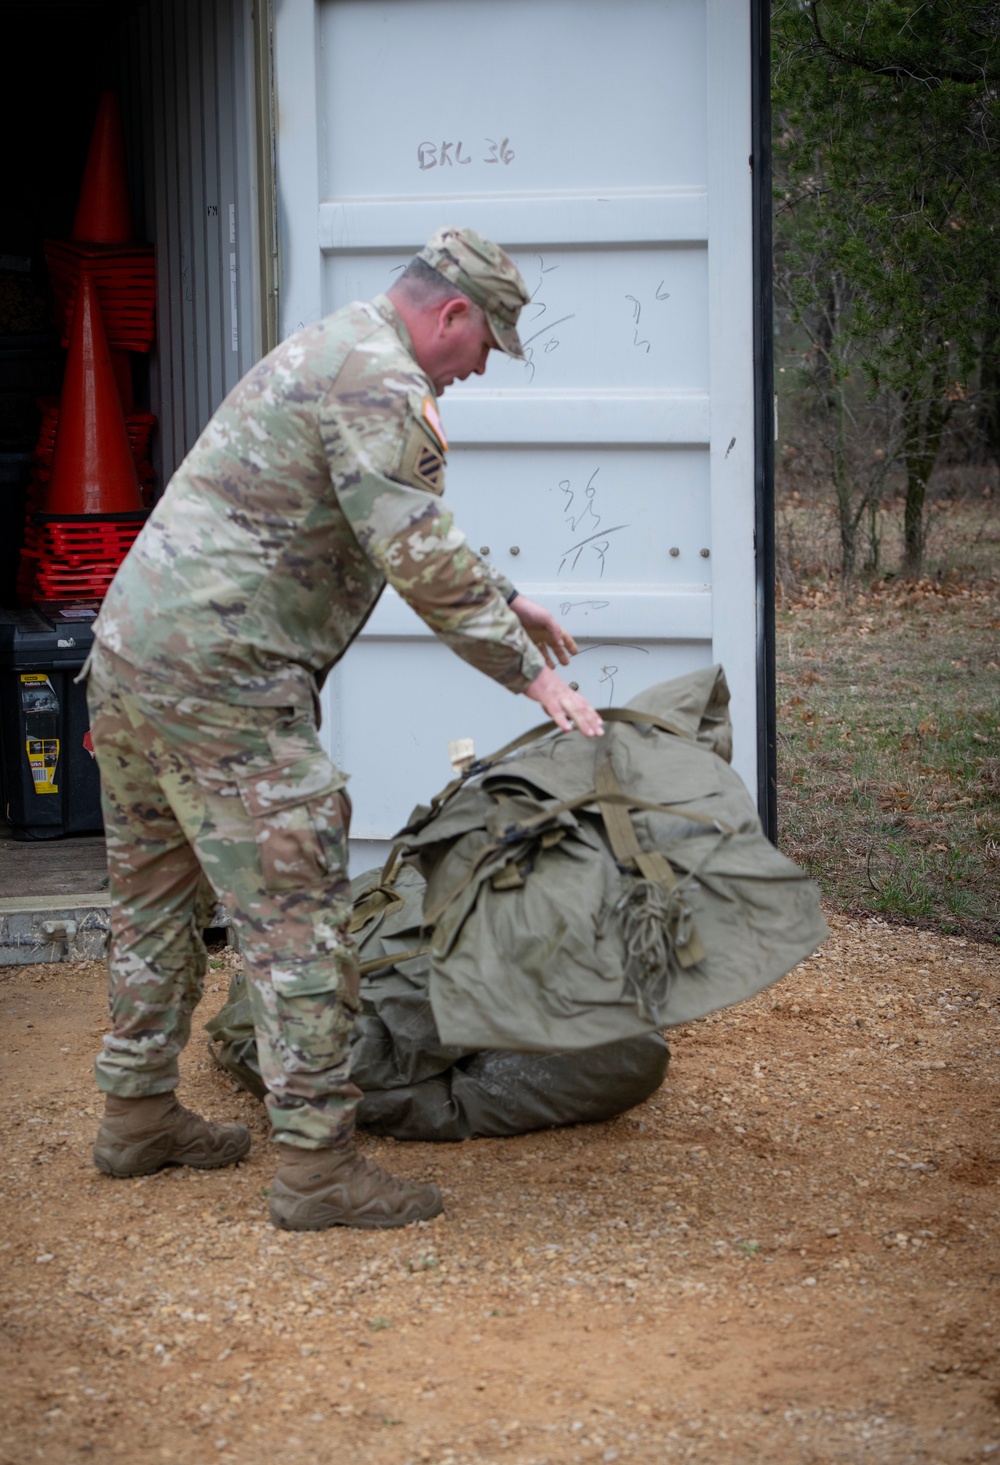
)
(206, 800)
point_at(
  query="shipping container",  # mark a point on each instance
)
(287, 157)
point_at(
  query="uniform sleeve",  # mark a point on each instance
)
(497, 578)
(388, 487)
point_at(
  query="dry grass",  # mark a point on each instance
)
(889, 753)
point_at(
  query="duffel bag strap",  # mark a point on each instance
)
(627, 851)
(533, 735)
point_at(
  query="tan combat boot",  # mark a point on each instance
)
(138, 1136)
(314, 1189)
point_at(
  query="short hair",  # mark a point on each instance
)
(424, 285)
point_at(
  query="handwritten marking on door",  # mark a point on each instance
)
(580, 512)
(449, 154)
(614, 646)
(641, 342)
(636, 314)
(575, 514)
(552, 341)
(610, 669)
(566, 606)
(598, 544)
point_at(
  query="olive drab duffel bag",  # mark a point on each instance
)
(413, 1086)
(583, 890)
(415, 1089)
(550, 911)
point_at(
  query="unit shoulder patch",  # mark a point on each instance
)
(422, 459)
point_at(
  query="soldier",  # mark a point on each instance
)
(317, 481)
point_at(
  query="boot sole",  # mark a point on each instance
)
(327, 1221)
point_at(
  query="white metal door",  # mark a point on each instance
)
(611, 475)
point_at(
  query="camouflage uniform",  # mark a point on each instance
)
(315, 483)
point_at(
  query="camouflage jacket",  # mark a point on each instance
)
(316, 482)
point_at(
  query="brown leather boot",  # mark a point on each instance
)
(138, 1136)
(314, 1189)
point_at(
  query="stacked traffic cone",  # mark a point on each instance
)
(138, 425)
(92, 467)
(102, 244)
(93, 506)
(103, 210)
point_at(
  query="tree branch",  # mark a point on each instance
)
(898, 72)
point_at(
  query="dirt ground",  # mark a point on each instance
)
(788, 1255)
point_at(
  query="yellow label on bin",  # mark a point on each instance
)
(41, 711)
(43, 755)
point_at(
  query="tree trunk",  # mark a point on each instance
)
(830, 393)
(846, 518)
(988, 415)
(913, 518)
(922, 429)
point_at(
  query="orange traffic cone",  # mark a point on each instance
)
(93, 471)
(103, 211)
(121, 362)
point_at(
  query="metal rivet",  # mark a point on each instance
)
(484, 549)
(704, 553)
(574, 686)
(674, 551)
(515, 549)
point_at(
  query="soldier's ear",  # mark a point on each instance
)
(453, 313)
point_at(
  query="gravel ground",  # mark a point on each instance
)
(789, 1254)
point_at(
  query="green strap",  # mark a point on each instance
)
(652, 865)
(609, 714)
(648, 719)
(381, 897)
(390, 959)
(527, 826)
(621, 833)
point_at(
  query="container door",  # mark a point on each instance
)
(611, 474)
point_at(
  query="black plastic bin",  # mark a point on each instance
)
(50, 782)
(15, 474)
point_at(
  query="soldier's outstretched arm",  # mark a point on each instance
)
(541, 625)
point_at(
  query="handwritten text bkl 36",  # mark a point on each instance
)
(447, 154)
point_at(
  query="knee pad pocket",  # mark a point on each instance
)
(301, 814)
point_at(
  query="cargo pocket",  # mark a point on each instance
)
(301, 816)
(314, 1018)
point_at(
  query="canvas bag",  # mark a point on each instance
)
(584, 890)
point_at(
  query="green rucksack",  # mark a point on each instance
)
(550, 911)
(582, 890)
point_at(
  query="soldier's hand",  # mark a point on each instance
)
(546, 632)
(566, 708)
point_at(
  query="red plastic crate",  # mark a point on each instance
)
(61, 585)
(64, 558)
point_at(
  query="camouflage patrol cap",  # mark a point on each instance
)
(481, 270)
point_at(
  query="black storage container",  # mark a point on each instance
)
(50, 782)
(15, 474)
(30, 367)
